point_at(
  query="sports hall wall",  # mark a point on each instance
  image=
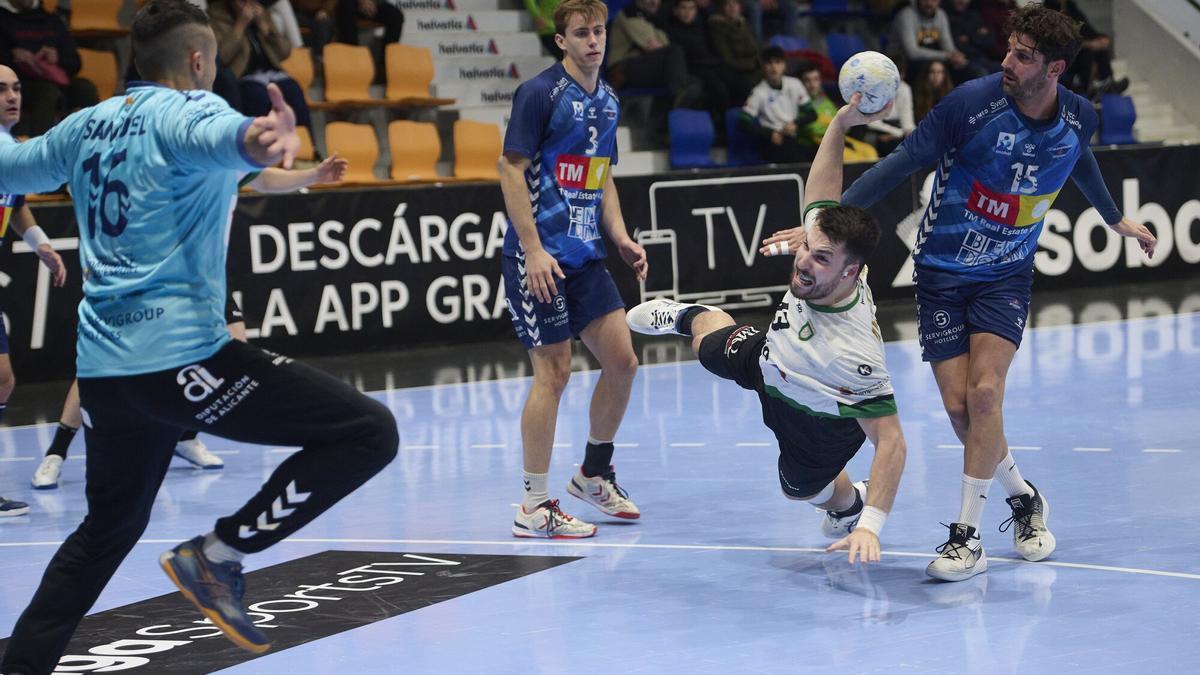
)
(350, 270)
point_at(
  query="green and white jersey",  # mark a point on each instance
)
(828, 361)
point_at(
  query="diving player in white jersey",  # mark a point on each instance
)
(819, 370)
(14, 211)
(154, 172)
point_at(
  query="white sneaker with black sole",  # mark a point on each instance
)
(603, 493)
(1029, 514)
(46, 476)
(658, 316)
(547, 521)
(961, 558)
(197, 454)
(836, 528)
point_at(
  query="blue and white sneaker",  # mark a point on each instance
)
(834, 527)
(216, 589)
(10, 508)
(658, 316)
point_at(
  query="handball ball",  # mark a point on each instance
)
(874, 75)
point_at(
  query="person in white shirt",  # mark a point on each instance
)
(777, 111)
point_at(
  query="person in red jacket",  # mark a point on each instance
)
(37, 45)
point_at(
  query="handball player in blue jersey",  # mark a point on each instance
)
(153, 173)
(1004, 145)
(556, 174)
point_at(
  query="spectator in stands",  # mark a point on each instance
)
(250, 46)
(995, 15)
(641, 55)
(542, 12)
(778, 112)
(317, 17)
(734, 41)
(933, 83)
(754, 16)
(381, 11)
(44, 55)
(971, 36)
(723, 87)
(922, 33)
(825, 110)
(1091, 74)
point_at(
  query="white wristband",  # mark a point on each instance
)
(872, 519)
(35, 237)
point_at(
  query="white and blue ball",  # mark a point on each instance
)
(872, 74)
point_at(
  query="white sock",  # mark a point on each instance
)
(1010, 477)
(220, 552)
(974, 498)
(535, 490)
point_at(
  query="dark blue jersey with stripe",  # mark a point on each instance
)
(570, 138)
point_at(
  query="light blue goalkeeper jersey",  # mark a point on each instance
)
(153, 175)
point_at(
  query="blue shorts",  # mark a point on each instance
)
(949, 312)
(587, 294)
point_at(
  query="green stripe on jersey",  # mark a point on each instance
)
(876, 407)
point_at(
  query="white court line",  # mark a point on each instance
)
(488, 446)
(420, 447)
(563, 445)
(17, 459)
(950, 446)
(1092, 449)
(660, 547)
(686, 445)
(754, 444)
(1024, 447)
(1163, 450)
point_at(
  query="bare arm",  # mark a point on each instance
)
(24, 224)
(890, 451)
(273, 180)
(614, 224)
(540, 266)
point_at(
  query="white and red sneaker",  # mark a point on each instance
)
(603, 493)
(547, 521)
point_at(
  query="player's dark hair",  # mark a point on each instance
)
(1054, 34)
(805, 67)
(590, 10)
(158, 49)
(851, 226)
(772, 53)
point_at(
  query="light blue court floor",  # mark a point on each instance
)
(723, 574)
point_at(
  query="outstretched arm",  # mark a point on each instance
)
(890, 451)
(1086, 175)
(274, 180)
(825, 176)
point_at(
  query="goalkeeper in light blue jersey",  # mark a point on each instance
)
(154, 174)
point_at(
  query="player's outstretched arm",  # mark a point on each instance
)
(890, 451)
(275, 180)
(271, 139)
(614, 224)
(540, 267)
(825, 177)
(24, 225)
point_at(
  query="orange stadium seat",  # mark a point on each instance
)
(349, 70)
(299, 65)
(357, 143)
(477, 148)
(99, 68)
(409, 74)
(306, 153)
(97, 18)
(415, 150)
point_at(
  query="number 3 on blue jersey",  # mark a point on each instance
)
(99, 190)
(595, 144)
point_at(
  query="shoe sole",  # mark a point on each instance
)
(52, 486)
(979, 568)
(14, 513)
(201, 467)
(529, 534)
(1053, 540)
(578, 494)
(230, 632)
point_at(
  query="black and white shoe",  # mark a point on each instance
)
(1030, 537)
(10, 508)
(961, 558)
(658, 317)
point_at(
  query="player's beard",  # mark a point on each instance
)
(1023, 90)
(815, 291)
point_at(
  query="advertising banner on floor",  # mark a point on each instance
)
(334, 272)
